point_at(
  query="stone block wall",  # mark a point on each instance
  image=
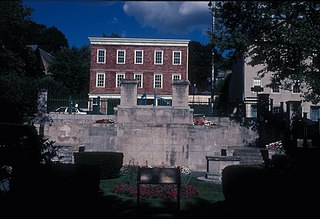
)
(156, 144)
(155, 135)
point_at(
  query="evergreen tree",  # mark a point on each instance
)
(72, 67)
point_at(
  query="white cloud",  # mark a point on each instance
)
(170, 17)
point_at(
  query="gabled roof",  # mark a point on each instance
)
(46, 58)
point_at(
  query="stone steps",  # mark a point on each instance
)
(248, 155)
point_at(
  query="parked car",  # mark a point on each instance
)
(65, 110)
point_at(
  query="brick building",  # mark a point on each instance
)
(154, 63)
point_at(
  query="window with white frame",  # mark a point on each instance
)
(257, 82)
(315, 113)
(119, 77)
(276, 109)
(176, 77)
(139, 78)
(157, 81)
(176, 58)
(275, 88)
(101, 56)
(121, 56)
(158, 57)
(138, 57)
(296, 88)
(100, 79)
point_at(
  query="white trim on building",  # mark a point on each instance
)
(138, 41)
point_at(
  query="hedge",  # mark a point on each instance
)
(109, 163)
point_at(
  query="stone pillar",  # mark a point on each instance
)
(42, 109)
(129, 92)
(180, 93)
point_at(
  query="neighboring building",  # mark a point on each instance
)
(154, 63)
(222, 75)
(243, 87)
(44, 58)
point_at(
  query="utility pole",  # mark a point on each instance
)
(211, 5)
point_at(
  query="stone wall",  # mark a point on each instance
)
(180, 144)
(155, 135)
(82, 130)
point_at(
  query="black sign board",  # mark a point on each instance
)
(159, 175)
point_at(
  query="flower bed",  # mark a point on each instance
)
(154, 191)
(277, 146)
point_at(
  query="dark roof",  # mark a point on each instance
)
(46, 58)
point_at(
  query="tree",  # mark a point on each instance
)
(113, 35)
(19, 85)
(18, 97)
(284, 37)
(199, 66)
(55, 88)
(20, 73)
(49, 39)
(22, 145)
(71, 66)
(13, 19)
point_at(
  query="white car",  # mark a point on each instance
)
(65, 110)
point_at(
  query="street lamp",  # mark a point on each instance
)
(213, 78)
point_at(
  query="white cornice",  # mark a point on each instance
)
(137, 41)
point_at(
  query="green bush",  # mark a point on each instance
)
(243, 183)
(281, 162)
(22, 145)
(109, 163)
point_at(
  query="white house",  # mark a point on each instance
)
(245, 85)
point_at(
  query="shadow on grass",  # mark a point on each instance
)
(39, 203)
(36, 193)
(68, 205)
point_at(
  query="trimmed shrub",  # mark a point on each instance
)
(245, 183)
(109, 163)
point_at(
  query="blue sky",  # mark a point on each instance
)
(81, 19)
